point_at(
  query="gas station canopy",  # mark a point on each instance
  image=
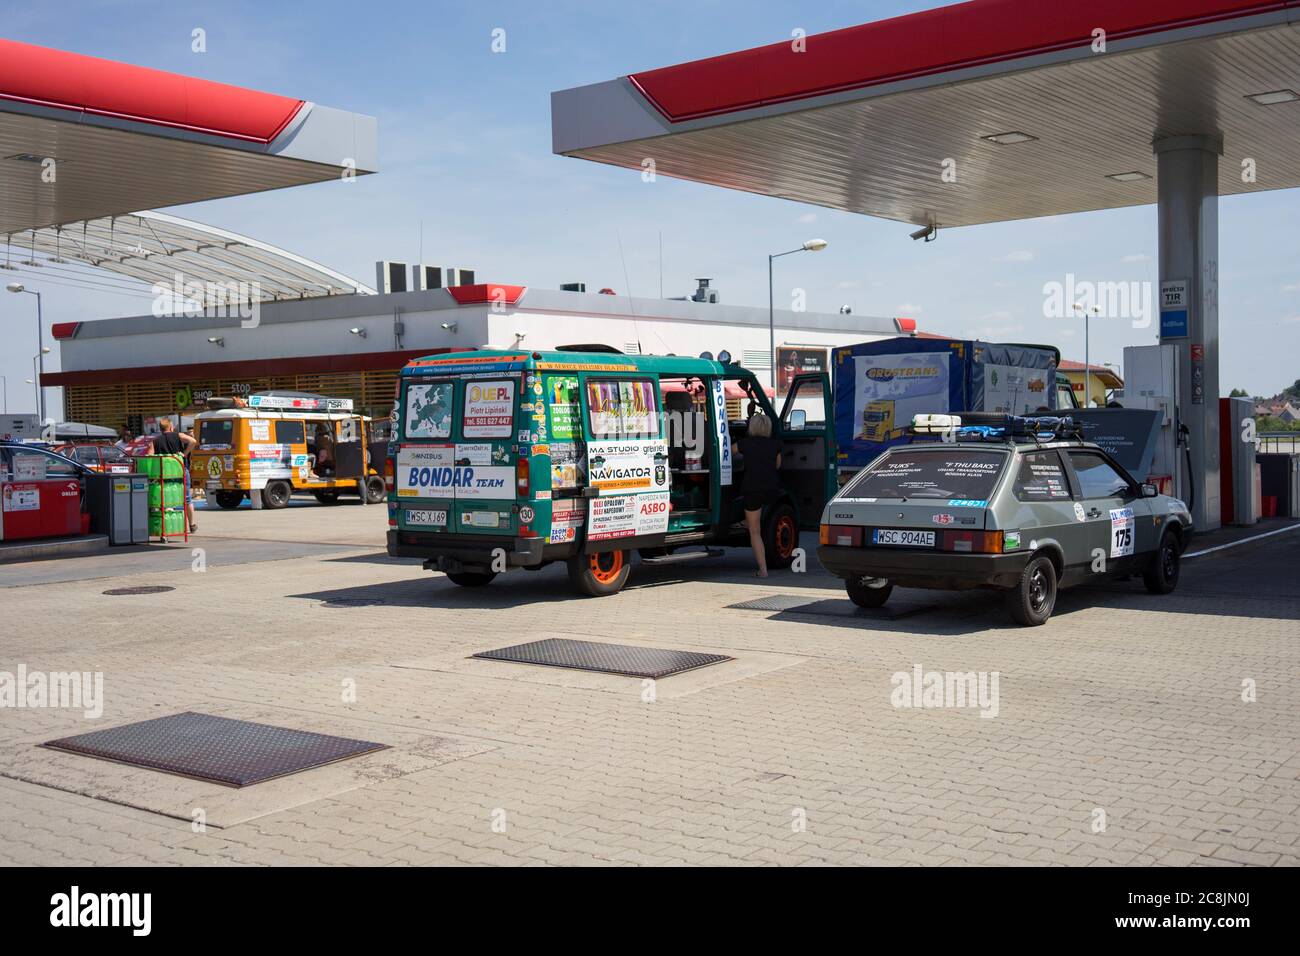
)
(82, 138)
(1034, 109)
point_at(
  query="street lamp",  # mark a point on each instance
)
(4, 379)
(38, 366)
(812, 245)
(1087, 365)
(40, 344)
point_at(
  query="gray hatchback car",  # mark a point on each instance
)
(1025, 509)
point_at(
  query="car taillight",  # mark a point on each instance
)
(390, 473)
(521, 476)
(973, 542)
(841, 535)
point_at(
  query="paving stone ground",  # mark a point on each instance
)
(1121, 734)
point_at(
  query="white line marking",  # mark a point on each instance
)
(1233, 544)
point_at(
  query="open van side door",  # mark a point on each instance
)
(807, 435)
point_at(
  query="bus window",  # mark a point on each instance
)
(623, 408)
(289, 432)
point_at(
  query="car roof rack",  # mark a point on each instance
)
(998, 427)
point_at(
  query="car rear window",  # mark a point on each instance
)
(215, 432)
(940, 473)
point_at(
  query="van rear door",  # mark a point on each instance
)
(485, 454)
(423, 476)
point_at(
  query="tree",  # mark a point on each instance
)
(1238, 393)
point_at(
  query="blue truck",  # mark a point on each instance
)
(878, 387)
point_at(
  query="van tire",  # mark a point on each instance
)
(471, 579)
(376, 491)
(277, 494)
(329, 496)
(864, 596)
(1161, 574)
(1032, 600)
(229, 499)
(600, 575)
(780, 535)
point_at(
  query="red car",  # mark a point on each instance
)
(97, 456)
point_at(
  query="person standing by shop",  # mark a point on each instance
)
(172, 442)
(761, 483)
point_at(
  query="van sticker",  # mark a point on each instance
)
(489, 409)
(724, 434)
(942, 518)
(430, 471)
(479, 453)
(566, 518)
(526, 514)
(627, 516)
(568, 466)
(541, 449)
(618, 467)
(1121, 532)
(542, 495)
(428, 410)
(523, 435)
(214, 467)
(259, 429)
(967, 503)
(481, 519)
(1078, 512)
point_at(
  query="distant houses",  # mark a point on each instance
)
(1282, 410)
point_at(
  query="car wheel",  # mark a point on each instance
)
(376, 493)
(864, 596)
(780, 536)
(276, 494)
(327, 497)
(229, 499)
(1031, 601)
(1161, 575)
(471, 579)
(599, 575)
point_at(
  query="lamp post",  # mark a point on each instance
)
(812, 245)
(4, 379)
(40, 344)
(1087, 365)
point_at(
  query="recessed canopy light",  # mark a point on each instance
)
(28, 158)
(1009, 138)
(1127, 177)
(1274, 97)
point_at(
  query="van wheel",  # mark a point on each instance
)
(599, 575)
(1161, 575)
(780, 536)
(1031, 601)
(376, 493)
(864, 596)
(471, 579)
(328, 497)
(276, 494)
(229, 499)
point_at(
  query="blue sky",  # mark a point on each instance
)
(465, 148)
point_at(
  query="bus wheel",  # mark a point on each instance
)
(376, 493)
(330, 496)
(471, 579)
(780, 536)
(598, 575)
(276, 494)
(229, 499)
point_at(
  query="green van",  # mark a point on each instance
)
(509, 459)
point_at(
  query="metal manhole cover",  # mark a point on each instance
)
(216, 749)
(352, 602)
(622, 659)
(141, 589)
(829, 607)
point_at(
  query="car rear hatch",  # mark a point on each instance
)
(917, 488)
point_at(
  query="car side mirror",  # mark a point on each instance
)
(798, 419)
(1149, 490)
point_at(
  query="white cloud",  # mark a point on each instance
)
(909, 308)
(1293, 287)
(807, 217)
(1137, 257)
(1020, 255)
(846, 284)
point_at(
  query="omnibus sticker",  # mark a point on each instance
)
(628, 516)
(619, 467)
(489, 409)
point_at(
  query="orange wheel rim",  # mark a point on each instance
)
(606, 567)
(785, 536)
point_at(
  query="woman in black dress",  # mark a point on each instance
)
(761, 483)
